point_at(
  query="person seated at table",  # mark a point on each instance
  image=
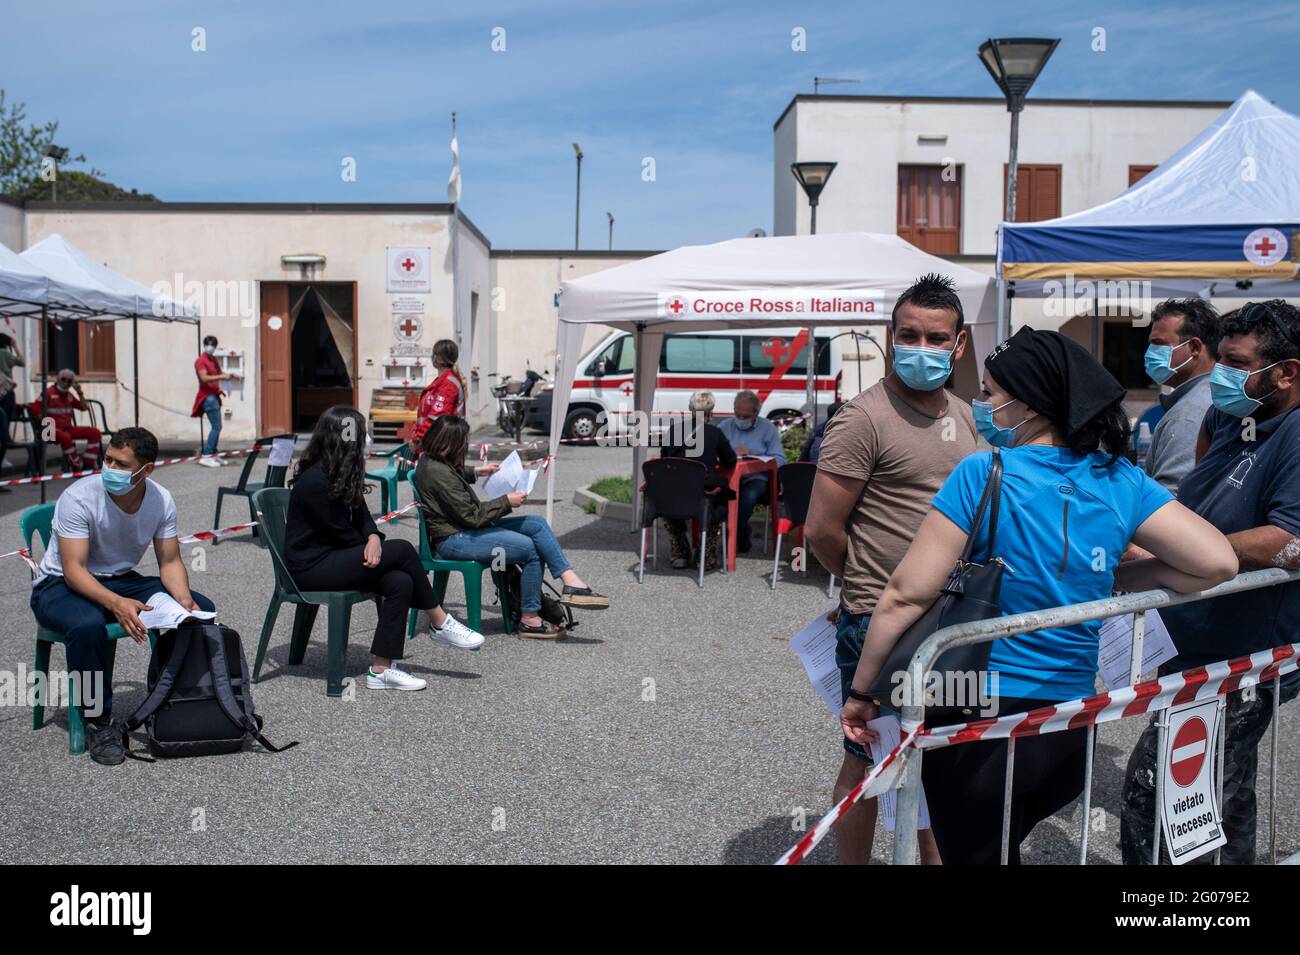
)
(463, 527)
(702, 441)
(331, 543)
(751, 436)
(87, 578)
(812, 447)
(60, 400)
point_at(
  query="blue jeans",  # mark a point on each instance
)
(753, 489)
(850, 633)
(84, 623)
(527, 541)
(212, 408)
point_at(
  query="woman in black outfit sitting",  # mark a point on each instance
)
(331, 543)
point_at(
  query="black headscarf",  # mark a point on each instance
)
(1055, 376)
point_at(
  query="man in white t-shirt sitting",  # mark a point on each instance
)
(87, 578)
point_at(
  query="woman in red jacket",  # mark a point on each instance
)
(445, 395)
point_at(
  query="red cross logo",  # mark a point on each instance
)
(625, 389)
(776, 349)
(1265, 247)
(408, 328)
(675, 305)
(408, 263)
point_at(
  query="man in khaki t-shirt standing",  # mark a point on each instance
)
(884, 457)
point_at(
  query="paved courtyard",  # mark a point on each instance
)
(527, 751)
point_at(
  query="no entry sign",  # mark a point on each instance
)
(1189, 805)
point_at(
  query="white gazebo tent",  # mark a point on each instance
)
(56, 280)
(838, 279)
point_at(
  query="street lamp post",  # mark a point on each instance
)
(577, 198)
(611, 230)
(58, 154)
(1014, 64)
(813, 176)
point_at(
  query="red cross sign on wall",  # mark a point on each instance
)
(408, 263)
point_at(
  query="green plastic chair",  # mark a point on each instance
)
(390, 477)
(275, 477)
(470, 570)
(271, 506)
(35, 522)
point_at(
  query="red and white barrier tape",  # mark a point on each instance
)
(86, 472)
(880, 779)
(1198, 683)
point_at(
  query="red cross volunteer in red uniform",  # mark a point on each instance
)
(445, 395)
(60, 400)
(208, 401)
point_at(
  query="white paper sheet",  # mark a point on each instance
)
(167, 614)
(891, 731)
(511, 476)
(814, 645)
(281, 452)
(1115, 652)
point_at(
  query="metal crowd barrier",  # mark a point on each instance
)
(986, 631)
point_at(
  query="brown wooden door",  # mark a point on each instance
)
(1038, 191)
(275, 371)
(1137, 173)
(929, 208)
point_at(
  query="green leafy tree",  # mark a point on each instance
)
(22, 148)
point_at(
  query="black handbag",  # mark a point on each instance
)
(954, 684)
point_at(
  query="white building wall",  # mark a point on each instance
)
(1094, 143)
(527, 316)
(11, 226)
(216, 247)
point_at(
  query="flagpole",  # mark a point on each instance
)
(453, 187)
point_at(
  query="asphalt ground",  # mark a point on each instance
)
(677, 726)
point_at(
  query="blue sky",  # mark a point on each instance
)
(286, 89)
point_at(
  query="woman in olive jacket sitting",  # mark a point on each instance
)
(463, 527)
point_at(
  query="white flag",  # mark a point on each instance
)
(453, 181)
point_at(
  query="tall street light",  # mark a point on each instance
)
(577, 199)
(1014, 64)
(58, 154)
(611, 230)
(813, 177)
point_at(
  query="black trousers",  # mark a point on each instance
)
(399, 580)
(965, 785)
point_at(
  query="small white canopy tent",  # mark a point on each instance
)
(840, 279)
(55, 279)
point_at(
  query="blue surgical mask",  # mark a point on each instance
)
(1159, 360)
(117, 482)
(1228, 390)
(745, 425)
(921, 368)
(983, 414)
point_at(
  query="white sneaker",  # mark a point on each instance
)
(210, 462)
(453, 633)
(393, 679)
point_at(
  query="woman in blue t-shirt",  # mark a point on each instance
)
(1070, 506)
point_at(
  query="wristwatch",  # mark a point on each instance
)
(861, 697)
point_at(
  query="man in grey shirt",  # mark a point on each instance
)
(1183, 347)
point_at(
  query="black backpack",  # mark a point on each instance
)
(200, 700)
(552, 611)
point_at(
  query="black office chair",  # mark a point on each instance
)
(274, 477)
(676, 488)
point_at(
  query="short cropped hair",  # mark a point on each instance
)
(210, 340)
(1200, 320)
(141, 442)
(703, 401)
(931, 291)
(1274, 344)
(749, 396)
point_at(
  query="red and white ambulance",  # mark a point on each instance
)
(772, 362)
